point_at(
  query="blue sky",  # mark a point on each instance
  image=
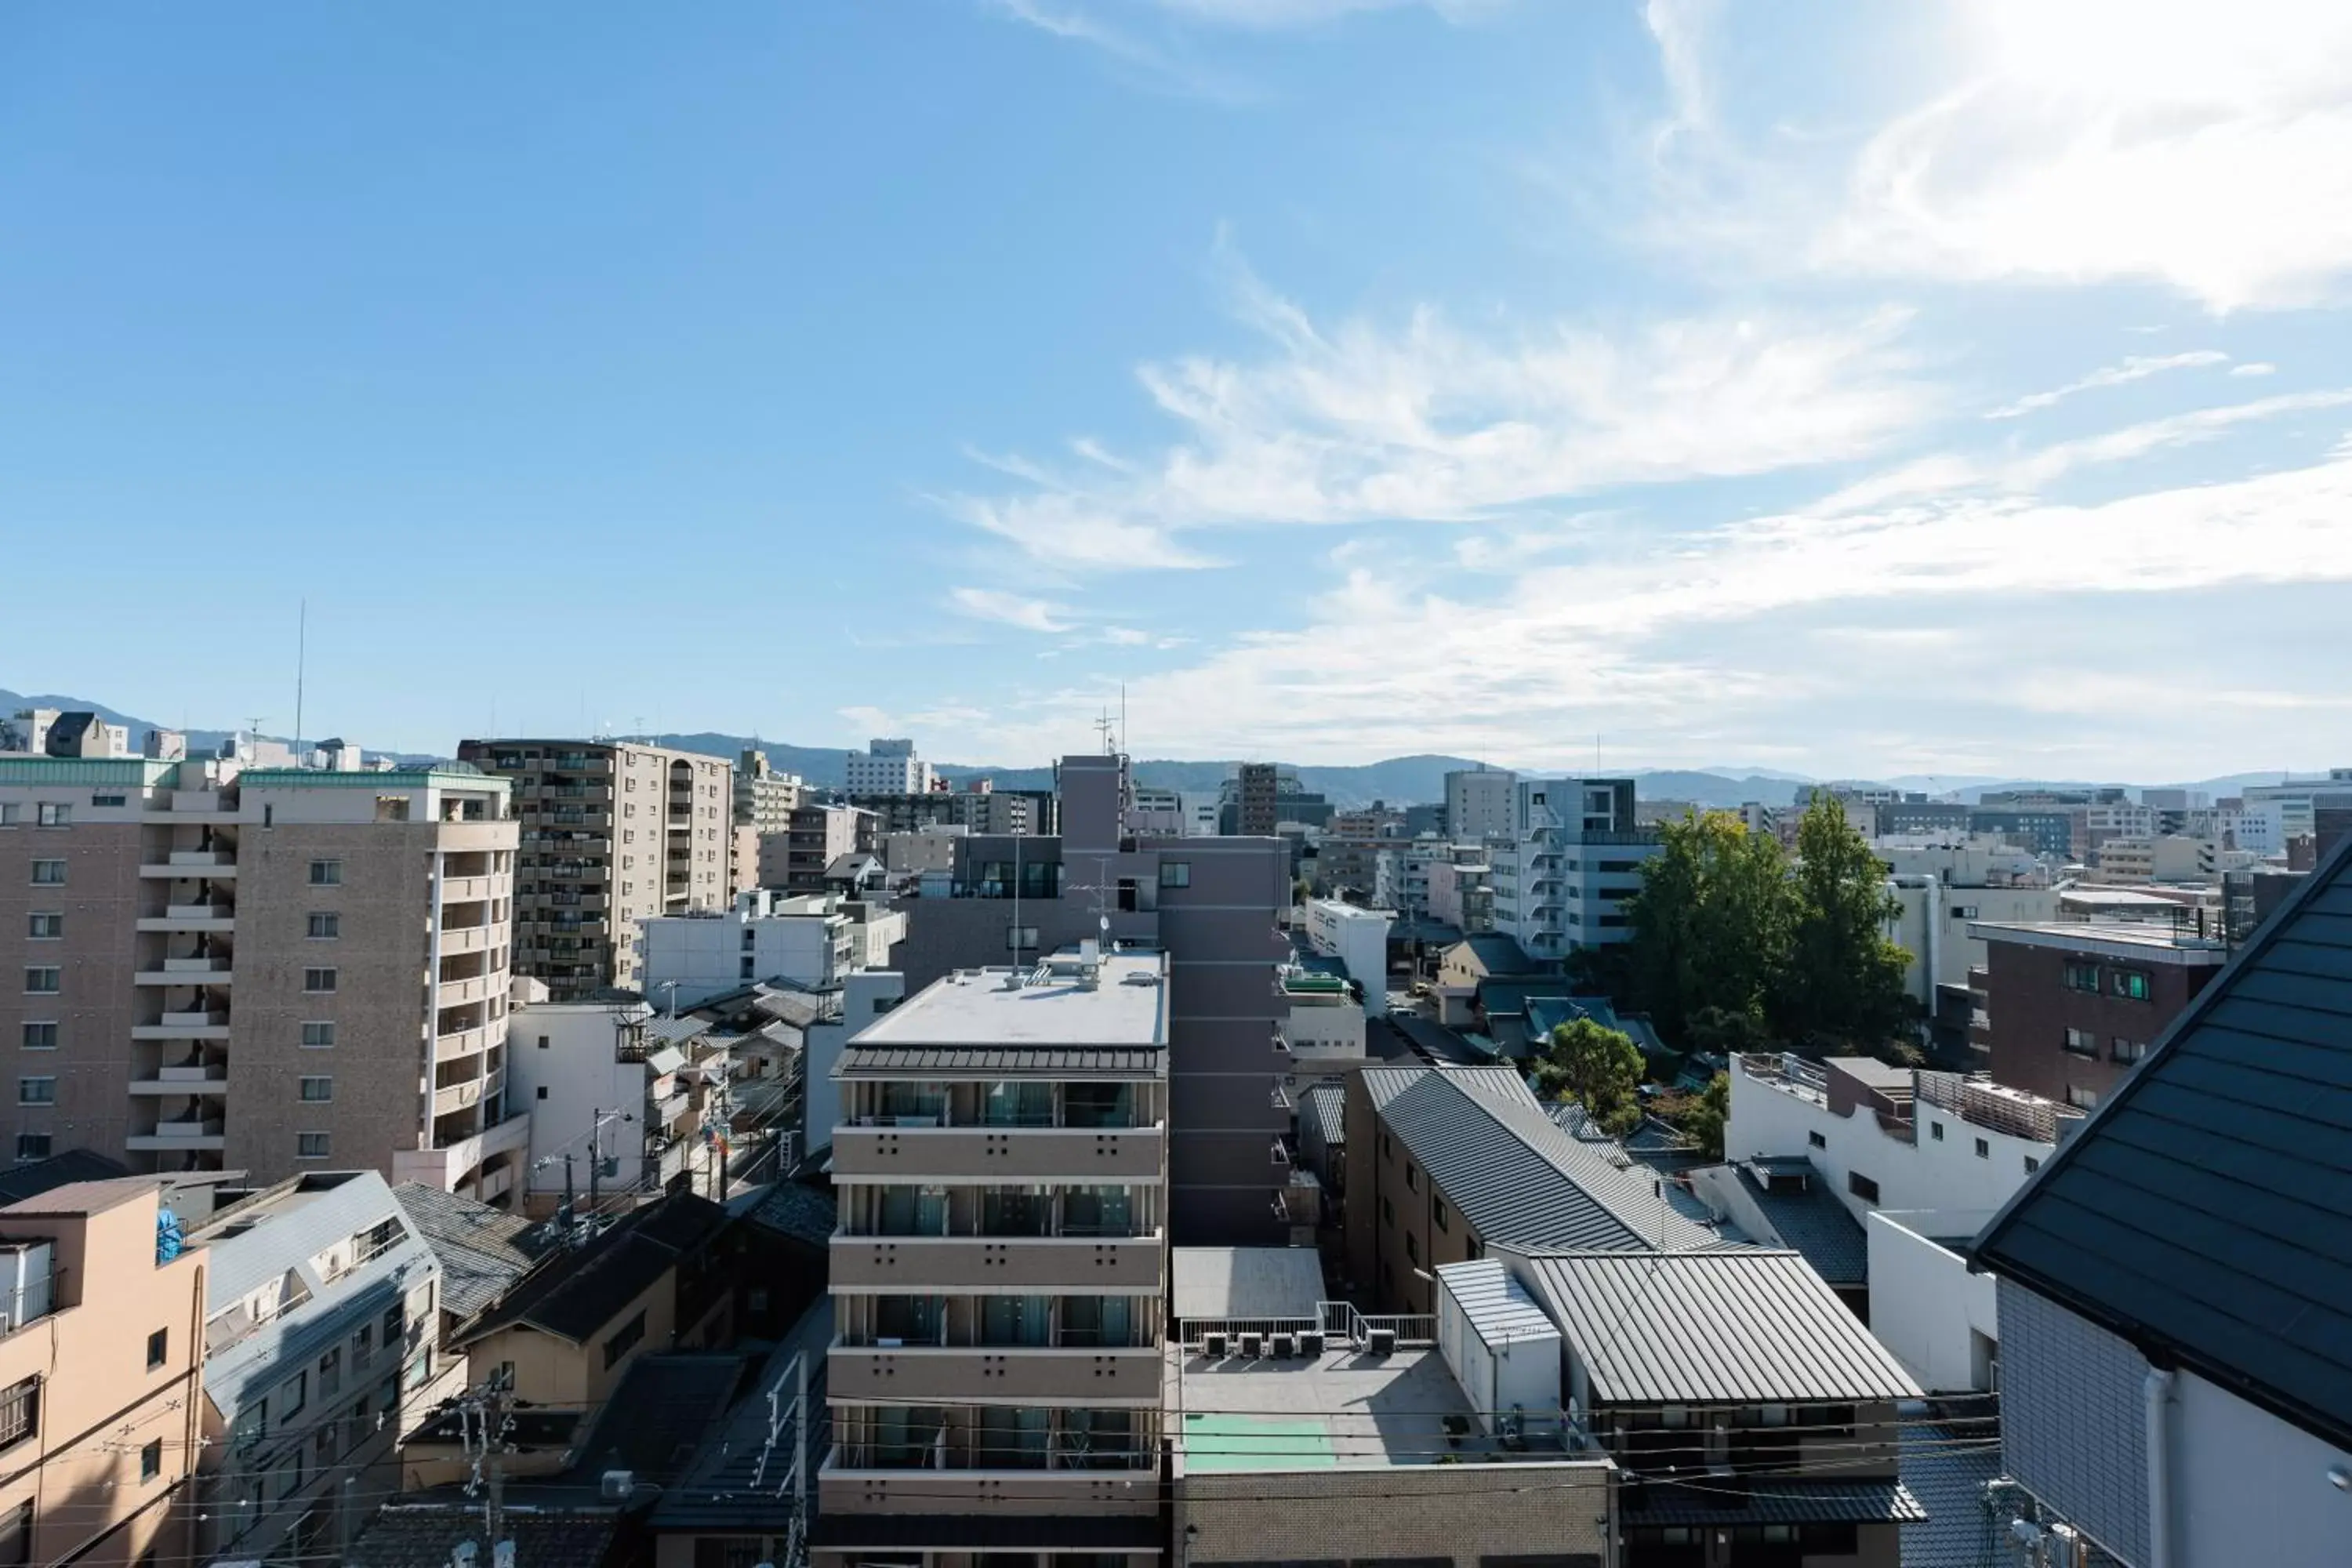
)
(1848, 389)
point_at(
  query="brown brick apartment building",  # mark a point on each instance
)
(2069, 1007)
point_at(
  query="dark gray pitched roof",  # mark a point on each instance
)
(483, 1250)
(656, 1417)
(2205, 1211)
(57, 1170)
(1818, 1227)
(410, 1535)
(577, 1293)
(1502, 954)
(1326, 1106)
(1737, 1501)
(799, 1211)
(1945, 1466)
(1515, 1177)
(1740, 1326)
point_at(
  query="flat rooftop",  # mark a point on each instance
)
(2149, 937)
(1051, 1005)
(1246, 1281)
(1341, 1410)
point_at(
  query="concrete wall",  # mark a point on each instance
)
(1562, 1512)
(2249, 1488)
(1932, 926)
(1359, 939)
(1925, 1304)
(96, 1004)
(563, 1082)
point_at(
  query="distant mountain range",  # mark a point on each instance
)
(1399, 781)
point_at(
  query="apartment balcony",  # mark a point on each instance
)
(464, 1043)
(467, 890)
(468, 939)
(178, 1134)
(191, 918)
(1096, 1485)
(672, 1109)
(478, 988)
(206, 1077)
(187, 972)
(189, 805)
(452, 1161)
(996, 1375)
(459, 1096)
(190, 865)
(948, 1264)
(1042, 1153)
(198, 1024)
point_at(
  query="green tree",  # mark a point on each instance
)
(1599, 1069)
(1725, 1033)
(1707, 1114)
(1708, 927)
(1842, 984)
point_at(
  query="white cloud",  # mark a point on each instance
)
(1363, 421)
(2135, 367)
(2253, 367)
(1011, 609)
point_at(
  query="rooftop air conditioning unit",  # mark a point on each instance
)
(1379, 1342)
(1252, 1347)
(1214, 1346)
(1310, 1344)
(1285, 1346)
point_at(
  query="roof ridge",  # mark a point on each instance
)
(1491, 1112)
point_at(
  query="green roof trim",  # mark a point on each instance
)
(141, 772)
(448, 776)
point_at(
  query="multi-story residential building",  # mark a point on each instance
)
(2044, 830)
(926, 851)
(1478, 803)
(886, 767)
(101, 1341)
(980, 807)
(320, 1352)
(2176, 1365)
(1213, 906)
(613, 832)
(1447, 1165)
(1573, 857)
(813, 941)
(796, 861)
(1936, 904)
(1921, 815)
(220, 967)
(1254, 798)
(2071, 1006)
(1158, 812)
(1358, 938)
(1462, 889)
(999, 1278)
(764, 798)
(2168, 858)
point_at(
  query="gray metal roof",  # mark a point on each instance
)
(1515, 1177)
(676, 1031)
(991, 1061)
(2205, 1211)
(1496, 1307)
(1325, 1106)
(408, 1535)
(1738, 1326)
(1739, 1502)
(1817, 1226)
(251, 1243)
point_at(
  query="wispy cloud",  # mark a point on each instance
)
(1010, 609)
(2136, 367)
(2253, 367)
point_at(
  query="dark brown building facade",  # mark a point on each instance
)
(2069, 1009)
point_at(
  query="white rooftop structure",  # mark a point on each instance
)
(1072, 998)
(1246, 1281)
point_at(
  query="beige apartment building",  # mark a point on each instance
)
(268, 969)
(100, 1388)
(999, 1274)
(613, 832)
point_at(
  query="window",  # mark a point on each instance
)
(362, 1343)
(293, 1395)
(20, 1411)
(44, 927)
(1964, 911)
(317, 1090)
(9, 815)
(623, 1340)
(311, 1145)
(1016, 938)
(318, 1035)
(330, 1370)
(1862, 1186)
(109, 800)
(41, 1036)
(42, 981)
(1936, 1131)
(326, 873)
(1984, 1149)
(37, 1091)
(326, 926)
(1817, 1141)
(2125, 1050)
(1386, 1153)
(48, 873)
(542, 1092)
(318, 980)
(158, 1348)
(32, 1146)
(2082, 1099)
(1388, 1212)
(16, 1536)
(55, 815)
(151, 1460)
(1412, 1177)
(1175, 873)
(2082, 1042)
(1412, 1248)
(2031, 1164)
(395, 1322)
(2082, 977)
(542, 1042)
(2132, 985)
(1438, 1213)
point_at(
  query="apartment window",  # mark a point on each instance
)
(2132, 985)
(2082, 1099)
(292, 1395)
(1175, 873)
(52, 815)
(44, 927)
(1817, 1141)
(1411, 1178)
(1386, 1153)
(1984, 1149)
(32, 1146)
(1936, 1131)
(151, 1460)
(158, 1348)
(1964, 911)
(2125, 1050)
(1862, 1186)
(1412, 1248)
(20, 1411)
(623, 1340)
(109, 800)
(311, 1145)
(48, 873)
(326, 926)
(1438, 1213)
(318, 1035)
(16, 1536)
(2082, 1042)
(1388, 1212)
(9, 815)
(42, 981)
(1018, 938)
(362, 1345)
(41, 1036)
(317, 1090)
(2031, 1164)
(542, 1042)
(317, 980)
(37, 1091)
(2082, 977)
(326, 873)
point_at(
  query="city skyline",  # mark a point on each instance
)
(1935, 392)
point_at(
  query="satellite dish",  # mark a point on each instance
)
(1103, 923)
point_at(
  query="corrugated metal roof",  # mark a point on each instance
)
(665, 1061)
(1325, 1105)
(1727, 1327)
(1740, 1501)
(2205, 1211)
(676, 1031)
(250, 1246)
(1515, 1177)
(1496, 1307)
(989, 1061)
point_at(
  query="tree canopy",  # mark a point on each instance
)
(1599, 1068)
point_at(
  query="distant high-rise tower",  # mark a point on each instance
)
(1257, 795)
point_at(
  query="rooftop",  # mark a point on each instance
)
(73, 1166)
(1245, 1281)
(1051, 1005)
(483, 1250)
(2149, 939)
(1812, 1221)
(578, 1294)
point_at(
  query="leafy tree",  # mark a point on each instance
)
(1725, 1033)
(1705, 1114)
(1709, 925)
(1599, 1069)
(1843, 982)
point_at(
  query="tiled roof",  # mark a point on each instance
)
(1817, 1226)
(1501, 954)
(1325, 1105)
(578, 1294)
(483, 1250)
(657, 1415)
(2204, 1212)
(1946, 1467)
(1747, 1502)
(797, 1210)
(413, 1535)
(1740, 1326)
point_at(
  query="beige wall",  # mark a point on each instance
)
(96, 1004)
(555, 1372)
(1392, 1217)
(100, 1402)
(1460, 1512)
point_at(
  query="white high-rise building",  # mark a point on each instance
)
(1478, 803)
(886, 767)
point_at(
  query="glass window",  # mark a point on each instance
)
(150, 1459)
(1016, 1320)
(318, 1035)
(1098, 1105)
(913, 1211)
(2082, 977)
(37, 1091)
(326, 925)
(1984, 1149)
(318, 980)
(326, 873)
(44, 927)
(2082, 1042)
(2132, 985)
(2125, 1050)
(293, 1395)
(55, 815)
(1936, 1131)
(32, 1146)
(311, 1145)
(317, 1090)
(1175, 873)
(158, 1348)
(1098, 1320)
(48, 873)
(43, 981)
(1862, 1186)
(41, 1036)
(2082, 1099)
(20, 1411)
(623, 1340)
(1014, 1103)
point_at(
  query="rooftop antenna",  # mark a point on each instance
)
(301, 657)
(1122, 712)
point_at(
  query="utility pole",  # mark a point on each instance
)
(595, 1155)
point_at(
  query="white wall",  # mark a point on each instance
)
(577, 1070)
(705, 954)
(1932, 926)
(1358, 938)
(864, 998)
(1925, 1305)
(2249, 1488)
